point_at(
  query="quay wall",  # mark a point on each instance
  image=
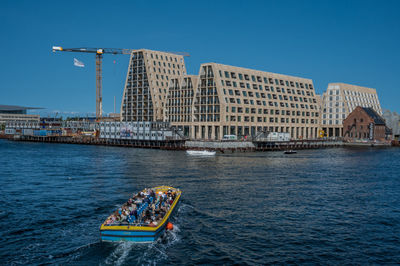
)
(222, 146)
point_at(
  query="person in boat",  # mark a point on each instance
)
(109, 221)
(153, 224)
(134, 213)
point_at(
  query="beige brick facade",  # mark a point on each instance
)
(239, 101)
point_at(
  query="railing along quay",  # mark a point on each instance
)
(296, 145)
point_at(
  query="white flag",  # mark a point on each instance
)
(78, 63)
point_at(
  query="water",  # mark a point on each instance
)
(331, 206)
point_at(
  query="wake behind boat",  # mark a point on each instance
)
(143, 218)
(201, 153)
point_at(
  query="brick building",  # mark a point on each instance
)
(365, 124)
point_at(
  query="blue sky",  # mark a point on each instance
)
(354, 42)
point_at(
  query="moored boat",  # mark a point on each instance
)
(143, 218)
(201, 153)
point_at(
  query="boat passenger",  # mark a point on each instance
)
(134, 213)
(153, 224)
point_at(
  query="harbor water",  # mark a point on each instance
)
(326, 206)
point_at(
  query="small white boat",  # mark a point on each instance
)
(290, 152)
(201, 153)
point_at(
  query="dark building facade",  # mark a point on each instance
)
(365, 124)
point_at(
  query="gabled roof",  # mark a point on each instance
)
(378, 120)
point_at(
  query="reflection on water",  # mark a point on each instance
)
(316, 206)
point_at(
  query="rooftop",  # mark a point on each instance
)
(16, 108)
(374, 115)
(260, 71)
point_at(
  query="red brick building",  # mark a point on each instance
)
(365, 124)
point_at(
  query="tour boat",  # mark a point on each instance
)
(203, 153)
(290, 152)
(136, 230)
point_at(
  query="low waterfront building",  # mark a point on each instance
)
(365, 124)
(146, 131)
(52, 126)
(229, 100)
(17, 113)
(340, 100)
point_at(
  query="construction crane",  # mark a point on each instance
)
(99, 56)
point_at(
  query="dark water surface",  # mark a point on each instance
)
(332, 206)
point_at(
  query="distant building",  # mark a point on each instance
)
(16, 113)
(393, 121)
(365, 124)
(340, 100)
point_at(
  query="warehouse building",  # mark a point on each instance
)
(365, 124)
(340, 100)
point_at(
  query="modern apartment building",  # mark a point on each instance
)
(179, 104)
(146, 85)
(340, 100)
(243, 102)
